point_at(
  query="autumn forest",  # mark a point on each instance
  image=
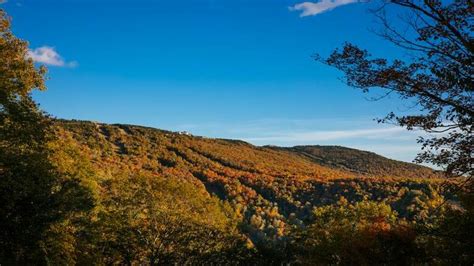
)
(76, 192)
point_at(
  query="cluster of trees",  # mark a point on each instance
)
(270, 209)
(88, 193)
(149, 220)
(56, 208)
(347, 232)
(362, 162)
(219, 162)
(35, 195)
(372, 233)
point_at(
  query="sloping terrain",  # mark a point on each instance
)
(270, 189)
(361, 162)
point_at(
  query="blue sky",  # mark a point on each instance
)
(218, 68)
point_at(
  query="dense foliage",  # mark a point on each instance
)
(346, 233)
(362, 162)
(273, 193)
(34, 196)
(75, 192)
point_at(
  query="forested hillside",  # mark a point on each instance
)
(270, 190)
(89, 193)
(361, 162)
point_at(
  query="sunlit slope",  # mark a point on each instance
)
(270, 189)
(156, 150)
(361, 162)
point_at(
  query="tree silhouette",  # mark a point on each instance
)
(438, 77)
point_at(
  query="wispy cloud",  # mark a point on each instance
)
(392, 142)
(311, 9)
(315, 136)
(357, 132)
(48, 56)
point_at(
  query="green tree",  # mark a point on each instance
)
(33, 194)
(364, 233)
(153, 221)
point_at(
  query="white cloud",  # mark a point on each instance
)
(48, 56)
(311, 9)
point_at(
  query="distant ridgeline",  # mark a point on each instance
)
(270, 189)
(361, 162)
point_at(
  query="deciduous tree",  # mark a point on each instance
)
(437, 76)
(33, 194)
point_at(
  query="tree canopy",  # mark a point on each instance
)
(33, 193)
(437, 77)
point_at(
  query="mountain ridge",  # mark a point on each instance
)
(307, 151)
(352, 159)
(270, 189)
